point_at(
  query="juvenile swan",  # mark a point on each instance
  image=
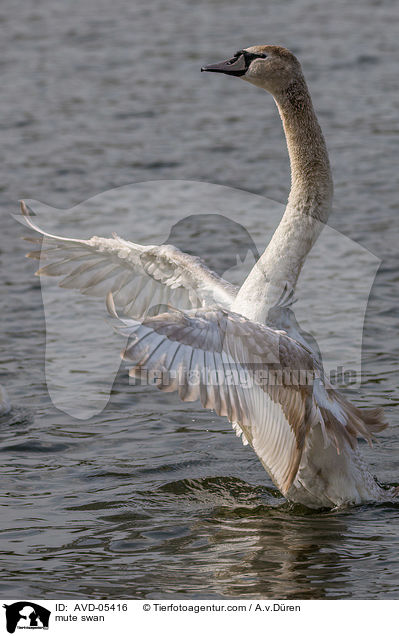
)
(214, 343)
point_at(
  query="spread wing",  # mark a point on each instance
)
(139, 277)
(267, 384)
(229, 364)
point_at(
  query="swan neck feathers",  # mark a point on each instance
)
(311, 181)
(307, 210)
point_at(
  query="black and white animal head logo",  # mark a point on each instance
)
(26, 615)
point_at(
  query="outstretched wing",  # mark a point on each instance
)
(139, 277)
(229, 364)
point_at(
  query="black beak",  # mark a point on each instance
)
(236, 66)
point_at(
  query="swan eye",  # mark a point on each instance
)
(255, 56)
(249, 57)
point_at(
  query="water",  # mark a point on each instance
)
(152, 498)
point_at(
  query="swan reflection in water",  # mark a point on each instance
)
(283, 554)
(261, 547)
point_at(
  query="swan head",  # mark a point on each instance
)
(273, 68)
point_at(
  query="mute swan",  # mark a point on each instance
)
(303, 431)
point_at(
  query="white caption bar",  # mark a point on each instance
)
(177, 617)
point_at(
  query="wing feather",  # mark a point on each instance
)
(204, 344)
(225, 351)
(140, 277)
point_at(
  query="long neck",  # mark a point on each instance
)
(311, 182)
(307, 210)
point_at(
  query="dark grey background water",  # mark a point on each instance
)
(153, 498)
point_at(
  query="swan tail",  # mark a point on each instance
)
(352, 422)
(344, 422)
(365, 422)
(374, 419)
(339, 434)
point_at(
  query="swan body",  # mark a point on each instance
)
(228, 347)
